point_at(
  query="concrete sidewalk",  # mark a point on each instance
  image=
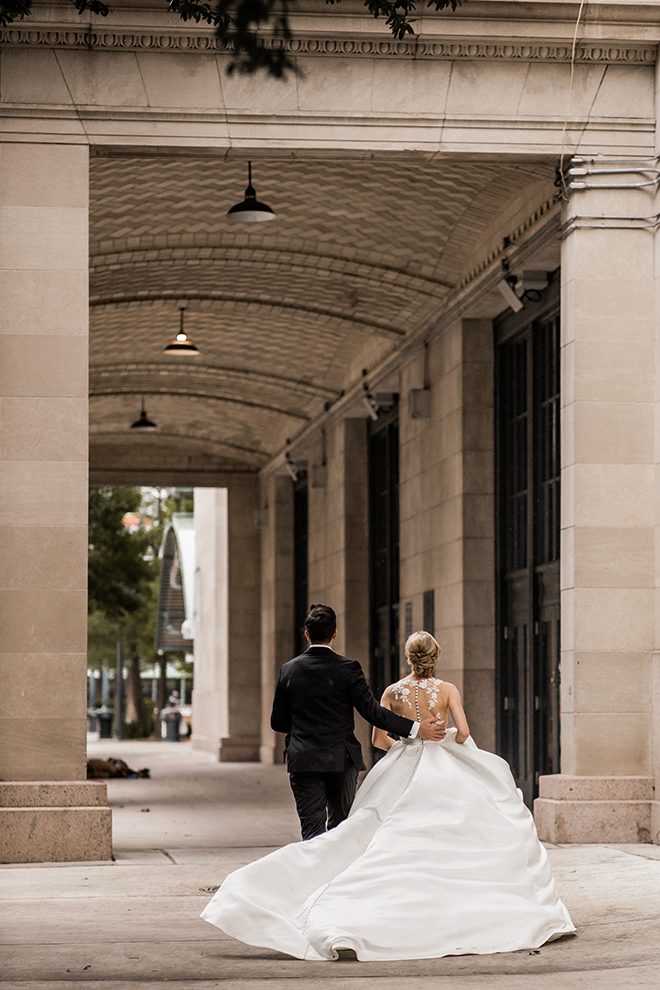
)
(135, 924)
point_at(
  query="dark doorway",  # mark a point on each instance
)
(300, 559)
(528, 478)
(384, 549)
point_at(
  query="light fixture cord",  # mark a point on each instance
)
(568, 102)
(181, 311)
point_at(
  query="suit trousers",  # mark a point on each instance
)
(323, 800)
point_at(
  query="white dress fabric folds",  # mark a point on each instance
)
(439, 856)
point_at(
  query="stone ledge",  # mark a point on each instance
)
(566, 787)
(655, 822)
(55, 835)
(239, 749)
(53, 794)
(593, 821)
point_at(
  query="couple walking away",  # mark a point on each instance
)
(436, 855)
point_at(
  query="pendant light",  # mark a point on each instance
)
(250, 210)
(143, 424)
(181, 346)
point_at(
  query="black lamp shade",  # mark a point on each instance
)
(181, 346)
(144, 424)
(184, 348)
(250, 210)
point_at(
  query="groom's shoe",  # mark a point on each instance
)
(346, 955)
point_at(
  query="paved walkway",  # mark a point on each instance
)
(134, 925)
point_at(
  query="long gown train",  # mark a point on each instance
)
(439, 856)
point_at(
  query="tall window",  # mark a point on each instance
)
(300, 559)
(528, 479)
(384, 549)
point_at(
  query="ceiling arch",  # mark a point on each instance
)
(220, 299)
(109, 377)
(285, 314)
(130, 388)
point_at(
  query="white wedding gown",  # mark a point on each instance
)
(439, 856)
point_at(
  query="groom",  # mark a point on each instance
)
(314, 701)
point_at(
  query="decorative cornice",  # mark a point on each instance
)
(355, 47)
(511, 240)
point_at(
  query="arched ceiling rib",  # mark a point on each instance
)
(285, 314)
(130, 387)
(317, 260)
(186, 441)
(222, 299)
(198, 375)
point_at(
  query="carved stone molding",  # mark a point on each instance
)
(543, 210)
(369, 47)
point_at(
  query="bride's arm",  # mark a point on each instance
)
(379, 737)
(457, 713)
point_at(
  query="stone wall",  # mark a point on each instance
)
(447, 515)
(277, 600)
(227, 693)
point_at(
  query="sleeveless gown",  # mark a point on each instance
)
(439, 856)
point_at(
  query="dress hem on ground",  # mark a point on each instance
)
(439, 856)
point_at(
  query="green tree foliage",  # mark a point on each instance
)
(138, 629)
(118, 574)
(123, 578)
(253, 29)
(122, 590)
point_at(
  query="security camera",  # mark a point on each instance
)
(510, 296)
(369, 402)
(291, 467)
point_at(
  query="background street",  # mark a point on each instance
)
(135, 924)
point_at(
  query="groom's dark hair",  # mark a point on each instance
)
(321, 623)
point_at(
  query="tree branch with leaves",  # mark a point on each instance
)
(255, 31)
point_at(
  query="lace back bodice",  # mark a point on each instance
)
(407, 693)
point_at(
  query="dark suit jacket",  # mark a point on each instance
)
(314, 701)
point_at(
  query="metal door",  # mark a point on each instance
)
(384, 550)
(300, 559)
(528, 477)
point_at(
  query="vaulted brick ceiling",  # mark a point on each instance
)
(285, 314)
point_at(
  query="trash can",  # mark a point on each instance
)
(104, 718)
(171, 720)
(92, 724)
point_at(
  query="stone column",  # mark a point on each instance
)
(339, 540)
(478, 528)
(277, 601)
(447, 515)
(47, 809)
(227, 693)
(339, 533)
(655, 710)
(603, 793)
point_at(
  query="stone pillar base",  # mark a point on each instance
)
(594, 809)
(54, 822)
(240, 749)
(655, 822)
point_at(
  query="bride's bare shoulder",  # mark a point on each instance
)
(400, 689)
(449, 689)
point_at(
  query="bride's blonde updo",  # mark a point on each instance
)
(422, 653)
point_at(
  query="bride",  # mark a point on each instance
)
(439, 856)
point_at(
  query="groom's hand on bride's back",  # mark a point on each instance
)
(432, 728)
